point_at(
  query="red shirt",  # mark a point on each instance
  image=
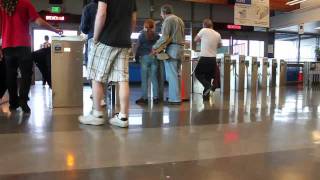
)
(15, 28)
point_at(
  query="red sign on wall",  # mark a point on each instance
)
(234, 27)
(55, 18)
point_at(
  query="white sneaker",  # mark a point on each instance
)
(117, 121)
(94, 118)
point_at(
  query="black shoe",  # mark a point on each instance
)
(206, 97)
(213, 88)
(171, 103)
(156, 101)
(13, 107)
(142, 101)
(25, 108)
(206, 91)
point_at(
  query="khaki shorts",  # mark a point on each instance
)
(108, 64)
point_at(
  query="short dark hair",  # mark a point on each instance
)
(46, 37)
(207, 23)
(167, 9)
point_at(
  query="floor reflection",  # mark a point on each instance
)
(274, 104)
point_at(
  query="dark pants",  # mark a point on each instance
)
(18, 57)
(3, 81)
(206, 71)
(42, 59)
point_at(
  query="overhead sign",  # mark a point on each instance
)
(55, 18)
(255, 14)
(243, 1)
(234, 27)
(56, 9)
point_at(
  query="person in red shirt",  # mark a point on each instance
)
(16, 16)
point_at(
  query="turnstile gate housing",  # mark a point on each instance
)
(67, 76)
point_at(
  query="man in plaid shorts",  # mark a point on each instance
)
(109, 58)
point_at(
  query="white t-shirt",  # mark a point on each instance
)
(210, 39)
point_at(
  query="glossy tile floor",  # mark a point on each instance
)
(272, 135)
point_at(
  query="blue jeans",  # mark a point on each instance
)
(172, 68)
(149, 68)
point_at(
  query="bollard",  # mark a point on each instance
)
(241, 73)
(263, 79)
(225, 75)
(253, 74)
(273, 73)
(282, 71)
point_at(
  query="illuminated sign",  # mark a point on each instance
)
(56, 9)
(55, 18)
(243, 1)
(234, 27)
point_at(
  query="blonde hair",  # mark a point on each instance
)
(207, 23)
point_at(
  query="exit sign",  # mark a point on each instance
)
(56, 9)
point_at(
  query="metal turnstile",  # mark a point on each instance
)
(233, 73)
(263, 78)
(282, 72)
(273, 73)
(252, 81)
(225, 71)
(185, 78)
(241, 73)
(311, 73)
(67, 76)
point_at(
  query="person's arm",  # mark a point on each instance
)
(165, 35)
(40, 22)
(100, 20)
(197, 39)
(198, 36)
(34, 17)
(1, 54)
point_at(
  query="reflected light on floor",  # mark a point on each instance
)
(316, 137)
(231, 137)
(165, 119)
(135, 120)
(70, 160)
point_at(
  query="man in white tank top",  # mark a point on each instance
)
(207, 66)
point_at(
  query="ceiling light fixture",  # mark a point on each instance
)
(294, 2)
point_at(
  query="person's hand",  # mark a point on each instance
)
(153, 52)
(95, 41)
(59, 31)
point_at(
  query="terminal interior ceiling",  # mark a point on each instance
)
(262, 123)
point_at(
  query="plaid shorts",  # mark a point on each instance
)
(108, 64)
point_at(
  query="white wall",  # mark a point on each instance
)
(310, 3)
